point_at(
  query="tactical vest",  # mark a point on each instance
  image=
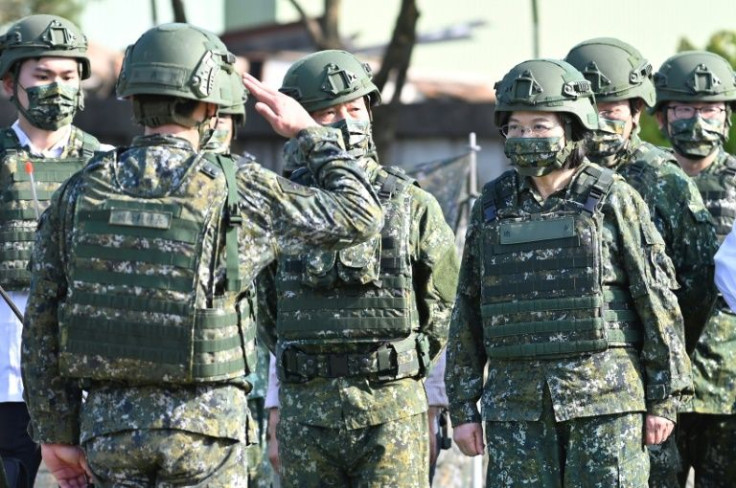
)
(542, 294)
(361, 294)
(20, 208)
(718, 190)
(142, 304)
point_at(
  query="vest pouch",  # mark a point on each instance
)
(219, 348)
(319, 268)
(360, 265)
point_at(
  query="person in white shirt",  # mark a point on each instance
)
(42, 64)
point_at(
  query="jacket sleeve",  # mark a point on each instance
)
(690, 239)
(291, 215)
(466, 356)
(435, 269)
(53, 400)
(650, 273)
(267, 306)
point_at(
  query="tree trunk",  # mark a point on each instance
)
(179, 14)
(395, 65)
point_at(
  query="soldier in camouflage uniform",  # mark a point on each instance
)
(565, 295)
(42, 65)
(355, 332)
(218, 141)
(622, 82)
(696, 94)
(141, 274)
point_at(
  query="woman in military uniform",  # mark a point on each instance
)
(565, 295)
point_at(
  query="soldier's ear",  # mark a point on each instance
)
(8, 82)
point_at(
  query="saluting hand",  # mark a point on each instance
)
(284, 113)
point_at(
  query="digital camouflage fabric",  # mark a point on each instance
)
(653, 377)
(276, 214)
(19, 216)
(360, 406)
(682, 219)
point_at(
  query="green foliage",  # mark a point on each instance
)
(11, 10)
(722, 43)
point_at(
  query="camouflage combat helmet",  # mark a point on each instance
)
(695, 76)
(546, 85)
(238, 97)
(328, 78)
(178, 60)
(616, 70)
(42, 35)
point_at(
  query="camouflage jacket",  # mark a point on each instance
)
(356, 402)
(276, 215)
(714, 356)
(612, 381)
(681, 218)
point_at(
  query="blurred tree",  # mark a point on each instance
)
(325, 34)
(722, 43)
(11, 10)
(324, 31)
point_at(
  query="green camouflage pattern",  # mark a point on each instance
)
(599, 452)
(617, 380)
(52, 106)
(714, 354)
(537, 156)
(13, 178)
(604, 146)
(707, 443)
(696, 137)
(357, 402)
(277, 215)
(165, 458)
(679, 213)
(391, 454)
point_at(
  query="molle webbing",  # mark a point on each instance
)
(134, 312)
(541, 290)
(18, 208)
(371, 300)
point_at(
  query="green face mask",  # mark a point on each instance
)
(537, 156)
(217, 141)
(696, 137)
(607, 143)
(51, 106)
(358, 137)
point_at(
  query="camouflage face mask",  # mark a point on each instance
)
(696, 138)
(358, 137)
(537, 156)
(51, 106)
(605, 144)
(216, 141)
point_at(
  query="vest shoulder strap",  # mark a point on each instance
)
(232, 219)
(90, 144)
(9, 143)
(392, 180)
(599, 180)
(496, 194)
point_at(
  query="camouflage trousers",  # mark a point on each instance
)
(392, 454)
(666, 463)
(165, 459)
(605, 451)
(708, 444)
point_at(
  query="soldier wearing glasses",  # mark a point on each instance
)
(696, 92)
